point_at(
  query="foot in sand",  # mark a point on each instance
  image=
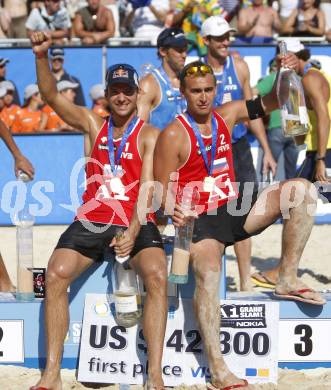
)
(299, 292)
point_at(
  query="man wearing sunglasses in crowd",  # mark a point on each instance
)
(113, 199)
(233, 83)
(197, 146)
(160, 100)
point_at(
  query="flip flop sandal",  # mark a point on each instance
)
(38, 388)
(231, 387)
(266, 282)
(297, 295)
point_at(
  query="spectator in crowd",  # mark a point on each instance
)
(56, 55)
(147, 21)
(190, 14)
(94, 23)
(233, 83)
(277, 141)
(285, 8)
(10, 109)
(3, 71)
(21, 164)
(258, 23)
(100, 104)
(30, 118)
(306, 20)
(160, 99)
(51, 17)
(231, 10)
(17, 12)
(54, 122)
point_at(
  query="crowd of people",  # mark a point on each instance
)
(188, 120)
(95, 21)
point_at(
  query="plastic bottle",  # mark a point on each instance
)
(24, 240)
(183, 237)
(291, 100)
(126, 291)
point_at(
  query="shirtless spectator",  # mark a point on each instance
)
(306, 20)
(51, 17)
(94, 24)
(17, 12)
(10, 109)
(100, 105)
(3, 71)
(54, 122)
(257, 24)
(29, 118)
(56, 55)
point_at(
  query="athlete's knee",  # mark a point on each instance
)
(155, 280)
(58, 275)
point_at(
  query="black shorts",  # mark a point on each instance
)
(227, 225)
(243, 164)
(94, 244)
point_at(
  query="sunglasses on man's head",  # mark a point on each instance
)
(201, 69)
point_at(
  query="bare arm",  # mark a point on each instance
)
(179, 16)
(78, 117)
(147, 96)
(276, 21)
(320, 29)
(159, 14)
(288, 26)
(245, 24)
(314, 86)
(167, 158)
(21, 162)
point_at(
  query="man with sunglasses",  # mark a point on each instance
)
(119, 161)
(160, 99)
(197, 147)
(233, 83)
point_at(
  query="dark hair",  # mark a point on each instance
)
(303, 55)
(197, 64)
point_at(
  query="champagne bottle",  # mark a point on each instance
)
(126, 290)
(291, 100)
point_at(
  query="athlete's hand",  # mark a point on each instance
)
(269, 164)
(125, 244)
(182, 216)
(320, 173)
(23, 164)
(290, 61)
(40, 42)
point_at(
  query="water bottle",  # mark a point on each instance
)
(188, 199)
(126, 291)
(291, 100)
(24, 239)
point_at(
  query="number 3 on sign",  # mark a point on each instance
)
(304, 340)
(11, 341)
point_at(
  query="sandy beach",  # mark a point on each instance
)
(315, 270)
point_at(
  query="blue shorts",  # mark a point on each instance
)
(307, 171)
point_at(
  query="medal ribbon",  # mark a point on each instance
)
(114, 160)
(202, 147)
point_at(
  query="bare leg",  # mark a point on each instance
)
(151, 265)
(5, 282)
(243, 250)
(206, 261)
(295, 200)
(64, 266)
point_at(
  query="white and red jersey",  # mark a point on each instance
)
(106, 200)
(194, 170)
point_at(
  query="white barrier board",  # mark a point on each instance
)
(112, 354)
(11, 341)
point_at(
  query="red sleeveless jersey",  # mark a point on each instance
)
(194, 170)
(108, 199)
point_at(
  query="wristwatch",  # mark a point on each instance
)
(318, 157)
